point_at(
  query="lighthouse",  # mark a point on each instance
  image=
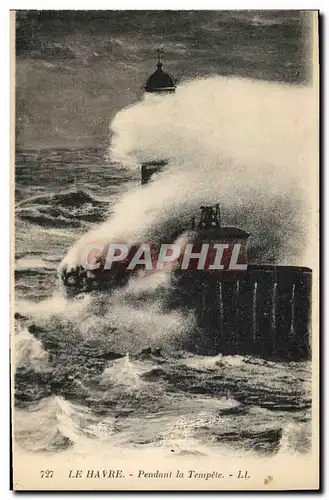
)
(232, 240)
(160, 82)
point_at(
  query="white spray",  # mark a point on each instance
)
(245, 144)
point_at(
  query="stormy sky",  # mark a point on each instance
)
(76, 69)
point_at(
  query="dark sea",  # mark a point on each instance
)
(78, 386)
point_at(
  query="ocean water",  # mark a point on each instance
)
(115, 371)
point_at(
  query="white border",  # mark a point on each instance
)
(169, 5)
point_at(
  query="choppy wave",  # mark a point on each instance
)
(183, 404)
(72, 208)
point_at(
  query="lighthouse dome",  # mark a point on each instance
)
(160, 81)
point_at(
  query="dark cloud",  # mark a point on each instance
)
(75, 69)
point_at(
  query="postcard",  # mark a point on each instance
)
(165, 241)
